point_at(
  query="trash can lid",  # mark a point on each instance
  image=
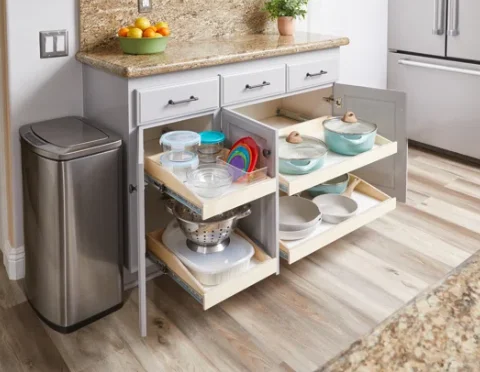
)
(68, 138)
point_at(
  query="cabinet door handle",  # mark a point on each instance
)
(191, 99)
(438, 17)
(432, 66)
(264, 84)
(453, 18)
(322, 72)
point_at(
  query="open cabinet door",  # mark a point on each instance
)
(142, 278)
(386, 109)
(262, 226)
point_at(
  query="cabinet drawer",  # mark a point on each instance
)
(311, 74)
(176, 101)
(261, 267)
(253, 85)
(372, 204)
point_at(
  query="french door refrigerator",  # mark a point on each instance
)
(434, 56)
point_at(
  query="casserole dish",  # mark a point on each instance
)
(301, 158)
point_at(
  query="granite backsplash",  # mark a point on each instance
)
(188, 19)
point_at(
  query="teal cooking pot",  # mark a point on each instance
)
(301, 158)
(347, 138)
(335, 186)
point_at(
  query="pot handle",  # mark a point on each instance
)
(169, 205)
(302, 168)
(244, 211)
(358, 141)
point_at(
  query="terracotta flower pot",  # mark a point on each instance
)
(286, 26)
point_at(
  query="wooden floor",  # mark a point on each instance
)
(295, 321)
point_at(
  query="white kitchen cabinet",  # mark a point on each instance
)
(295, 101)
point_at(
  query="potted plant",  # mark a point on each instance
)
(286, 11)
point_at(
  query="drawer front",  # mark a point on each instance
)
(311, 74)
(176, 101)
(253, 85)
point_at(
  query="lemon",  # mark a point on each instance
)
(135, 33)
(158, 35)
(159, 25)
(142, 23)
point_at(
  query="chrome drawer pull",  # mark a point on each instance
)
(317, 74)
(191, 99)
(264, 84)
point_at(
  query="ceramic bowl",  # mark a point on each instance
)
(297, 213)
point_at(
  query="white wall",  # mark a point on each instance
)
(365, 22)
(40, 89)
(3, 193)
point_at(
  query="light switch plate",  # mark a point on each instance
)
(53, 44)
(144, 6)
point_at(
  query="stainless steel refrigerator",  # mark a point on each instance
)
(434, 56)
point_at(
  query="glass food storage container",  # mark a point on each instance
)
(179, 162)
(211, 146)
(180, 140)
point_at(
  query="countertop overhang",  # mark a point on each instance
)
(181, 56)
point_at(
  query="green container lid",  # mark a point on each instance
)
(144, 45)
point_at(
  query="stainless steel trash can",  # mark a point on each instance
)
(73, 221)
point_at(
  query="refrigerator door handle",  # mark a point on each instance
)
(432, 66)
(438, 17)
(453, 18)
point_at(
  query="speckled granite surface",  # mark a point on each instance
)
(188, 19)
(209, 52)
(438, 331)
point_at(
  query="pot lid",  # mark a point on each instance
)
(309, 148)
(180, 139)
(337, 125)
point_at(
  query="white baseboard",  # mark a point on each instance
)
(14, 261)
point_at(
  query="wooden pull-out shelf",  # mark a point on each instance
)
(237, 195)
(372, 203)
(261, 267)
(335, 164)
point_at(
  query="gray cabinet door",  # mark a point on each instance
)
(463, 29)
(386, 109)
(417, 26)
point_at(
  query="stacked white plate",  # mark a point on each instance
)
(299, 217)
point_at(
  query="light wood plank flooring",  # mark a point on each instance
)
(293, 322)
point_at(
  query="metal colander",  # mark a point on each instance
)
(207, 236)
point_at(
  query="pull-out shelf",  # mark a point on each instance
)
(261, 267)
(372, 204)
(238, 194)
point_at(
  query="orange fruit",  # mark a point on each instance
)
(123, 32)
(149, 32)
(165, 31)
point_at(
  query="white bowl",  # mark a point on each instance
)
(297, 213)
(300, 234)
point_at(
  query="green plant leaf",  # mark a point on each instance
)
(286, 8)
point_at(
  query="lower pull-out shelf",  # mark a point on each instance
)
(261, 267)
(372, 204)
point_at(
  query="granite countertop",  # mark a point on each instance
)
(204, 53)
(437, 331)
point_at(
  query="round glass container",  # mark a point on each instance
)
(180, 140)
(179, 162)
(211, 146)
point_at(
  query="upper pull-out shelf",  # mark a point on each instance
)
(335, 164)
(238, 194)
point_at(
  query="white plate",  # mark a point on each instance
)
(297, 235)
(297, 213)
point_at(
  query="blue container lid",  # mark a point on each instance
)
(211, 137)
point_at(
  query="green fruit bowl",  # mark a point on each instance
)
(144, 45)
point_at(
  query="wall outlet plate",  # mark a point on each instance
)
(144, 6)
(53, 44)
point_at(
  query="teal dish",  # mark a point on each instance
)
(349, 138)
(302, 158)
(336, 186)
